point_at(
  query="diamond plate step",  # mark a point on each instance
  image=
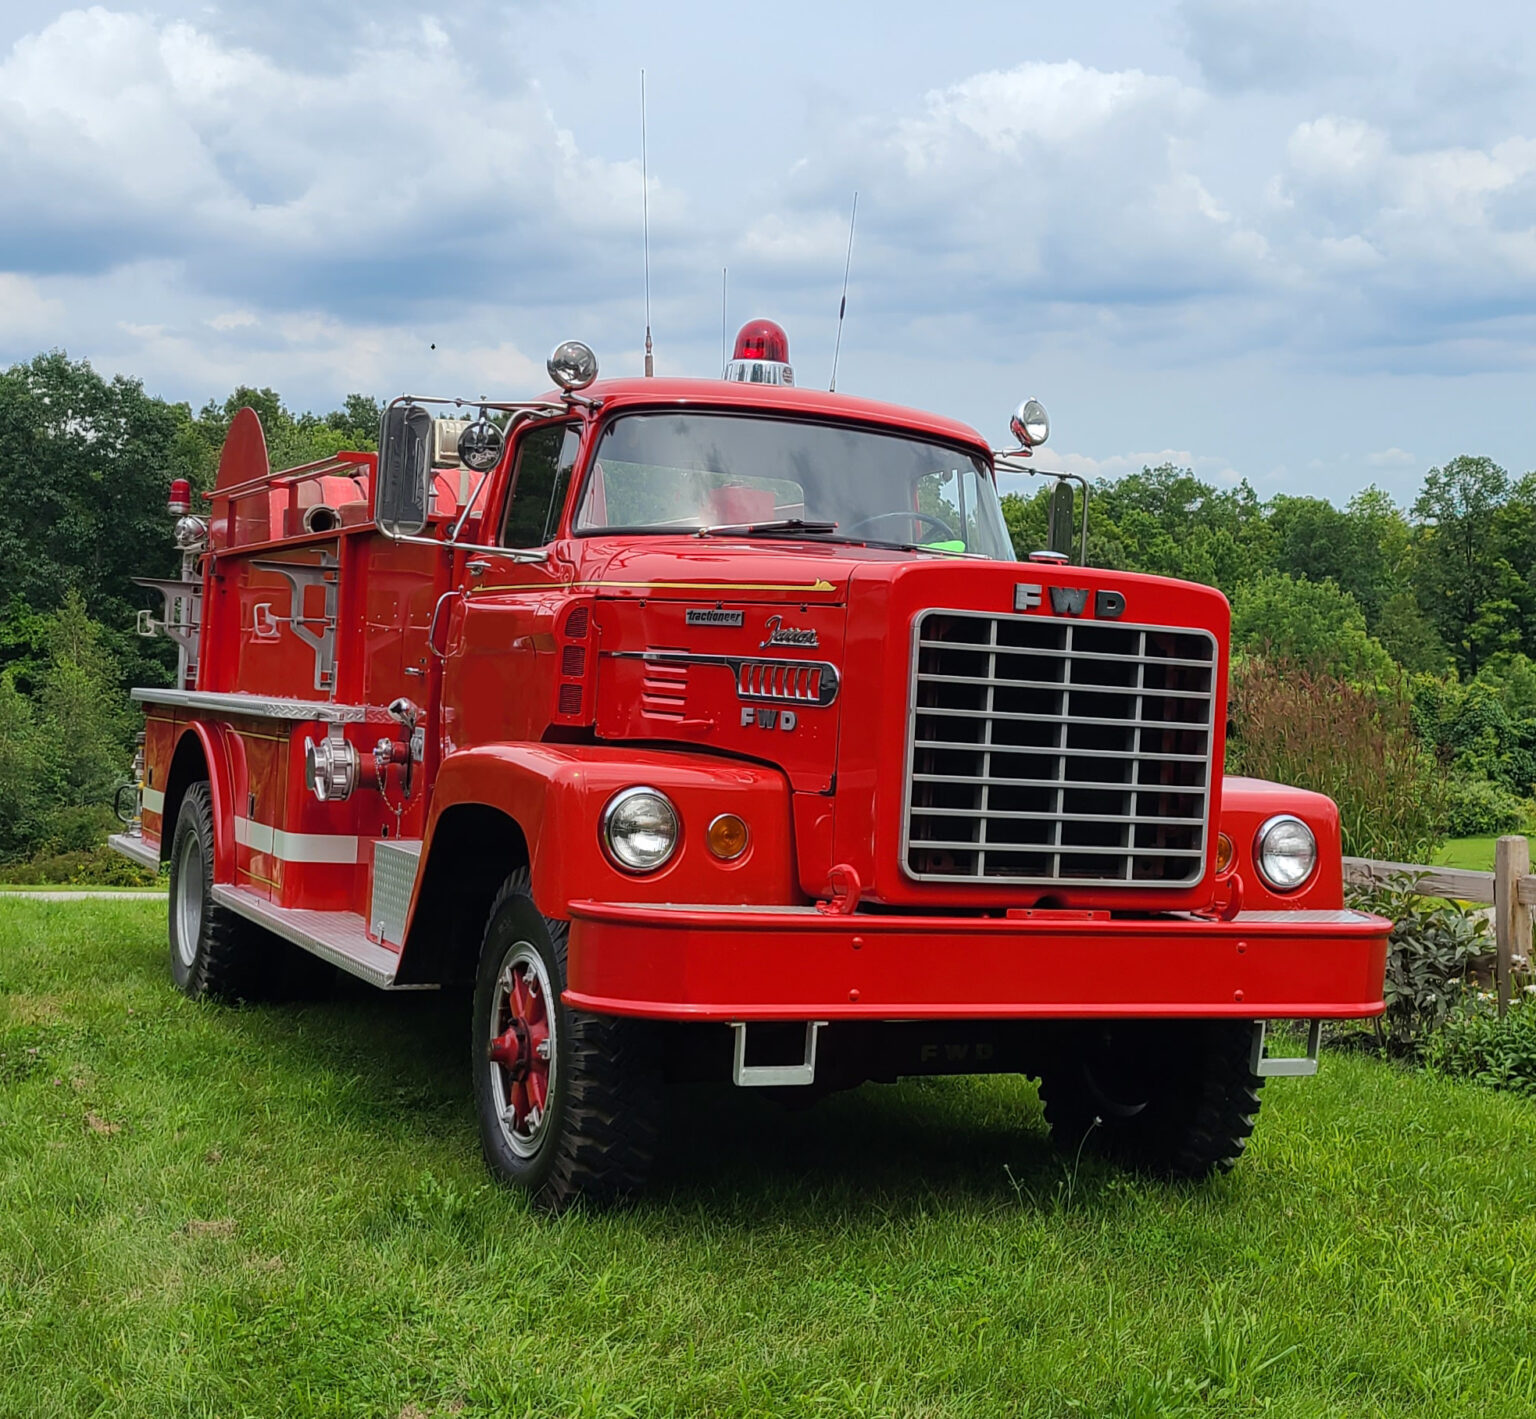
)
(338, 937)
(395, 861)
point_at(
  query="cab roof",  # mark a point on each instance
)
(775, 398)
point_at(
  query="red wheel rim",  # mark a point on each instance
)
(521, 1050)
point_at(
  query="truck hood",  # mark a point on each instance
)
(742, 570)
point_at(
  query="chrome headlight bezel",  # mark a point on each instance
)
(1286, 823)
(616, 845)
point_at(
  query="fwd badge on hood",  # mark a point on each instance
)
(1068, 600)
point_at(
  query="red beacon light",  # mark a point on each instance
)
(762, 355)
(180, 501)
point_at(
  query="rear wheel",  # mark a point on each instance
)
(213, 951)
(568, 1103)
(1176, 1097)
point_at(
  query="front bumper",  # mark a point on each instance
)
(797, 963)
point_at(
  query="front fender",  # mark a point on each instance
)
(1246, 803)
(556, 793)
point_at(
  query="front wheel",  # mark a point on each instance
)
(1176, 1097)
(567, 1102)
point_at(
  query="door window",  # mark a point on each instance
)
(545, 459)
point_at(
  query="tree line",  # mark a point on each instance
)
(1422, 617)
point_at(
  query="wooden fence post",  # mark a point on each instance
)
(1511, 917)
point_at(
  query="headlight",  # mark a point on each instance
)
(1286, 852)
(640, 829)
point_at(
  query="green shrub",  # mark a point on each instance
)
(1478, 808)
(96, 867)
(1473, 1043)
(1429, 954)
(1313, 729)
(76, 827)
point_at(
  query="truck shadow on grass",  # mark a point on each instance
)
(970, 1141)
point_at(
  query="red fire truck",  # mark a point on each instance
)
(712, 729)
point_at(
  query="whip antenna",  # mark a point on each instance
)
(724, 344)
(842, 307)
(645, 226)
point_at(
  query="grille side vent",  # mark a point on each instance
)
(1045, 751)
(664, 690)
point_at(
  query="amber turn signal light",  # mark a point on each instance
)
(1223, 853)
(727, 837)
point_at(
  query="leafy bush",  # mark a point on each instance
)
(1473, 1043)
(1477, 808)
(1473, 731)
(1429, 954)
(97, 867)
(1281, 617)
(1301, 725)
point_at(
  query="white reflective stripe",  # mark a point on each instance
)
(295, 847)
(154, 800)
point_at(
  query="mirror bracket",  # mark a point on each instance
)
(1005, 459)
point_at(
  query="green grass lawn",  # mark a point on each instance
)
(281, 1211)
(1475, 854)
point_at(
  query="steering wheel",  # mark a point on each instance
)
(950, 535)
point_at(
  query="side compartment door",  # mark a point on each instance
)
(499, 668)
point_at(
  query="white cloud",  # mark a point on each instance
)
(233, 319)
(166, 141)
(1052, 105)
(1211, 469)
(315, 197)
(1391, 458)
(25, 313)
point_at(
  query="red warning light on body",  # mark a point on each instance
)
(180, 500)
(761, 356)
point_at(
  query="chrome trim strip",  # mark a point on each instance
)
(1305, 916)
(257, 706)
(828, 685)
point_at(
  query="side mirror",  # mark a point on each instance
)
(1061, 518)
(404, 483)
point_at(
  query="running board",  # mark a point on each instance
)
(337, 937)
(133, 847)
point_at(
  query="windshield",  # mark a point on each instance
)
(741, 475)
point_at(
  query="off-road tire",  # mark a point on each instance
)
(1172, 1097)
(603, 1116)
(221, 956)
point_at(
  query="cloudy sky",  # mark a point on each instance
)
(1286, 241)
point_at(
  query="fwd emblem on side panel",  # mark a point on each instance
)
(769, 719)
(1068, 600)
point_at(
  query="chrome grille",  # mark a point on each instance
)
(804, 683)
(1046, 751)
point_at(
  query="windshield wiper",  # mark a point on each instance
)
(926, 547)
(761, 529)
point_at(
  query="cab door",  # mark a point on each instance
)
(499, 668)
